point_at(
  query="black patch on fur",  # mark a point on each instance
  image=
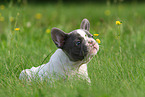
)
(75, 52)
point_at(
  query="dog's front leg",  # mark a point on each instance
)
(83, 72)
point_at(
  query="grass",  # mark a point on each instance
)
(113, 73)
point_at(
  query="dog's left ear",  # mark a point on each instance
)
(85, 25)
(58, 36)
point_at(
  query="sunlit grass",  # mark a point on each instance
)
(112, 73)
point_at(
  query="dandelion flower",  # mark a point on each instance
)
(2, 18)
(38, 16)
(2, 7)
(47, 30)
(118, 22)
(98, 40)
(17, 29)
(96, 34)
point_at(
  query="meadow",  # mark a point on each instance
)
(118, 70)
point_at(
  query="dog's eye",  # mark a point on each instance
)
(92, 36)
(78, 43)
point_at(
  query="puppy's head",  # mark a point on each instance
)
(79, 44)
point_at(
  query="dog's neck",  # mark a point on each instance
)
(60, 63)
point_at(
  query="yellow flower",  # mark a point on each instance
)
(11, 19)
(47, 30)
(17, 29)
(96, 34)
(2, 7)
(38, 16)
(98, 40)
(107, 12)
(118, 22)
(2, 18)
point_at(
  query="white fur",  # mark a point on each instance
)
(82, 33)
(59, 65)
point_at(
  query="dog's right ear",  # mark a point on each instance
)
(58, 36)
(85, 24)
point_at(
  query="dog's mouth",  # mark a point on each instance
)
(93, 48)
(93, 51)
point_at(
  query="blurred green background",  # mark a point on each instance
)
(115, 1)
(118, 70)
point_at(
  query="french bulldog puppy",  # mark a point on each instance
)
(75, 50)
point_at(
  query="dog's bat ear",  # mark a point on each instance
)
(85, 25)
(58, 36)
